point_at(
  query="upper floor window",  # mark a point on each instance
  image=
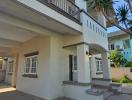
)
(111, 47)
(31, 63)
(126, 44)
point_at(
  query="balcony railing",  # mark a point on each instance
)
(64, 6)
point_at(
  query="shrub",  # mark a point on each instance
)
(117, 58)
(129, 64)
(124, 79)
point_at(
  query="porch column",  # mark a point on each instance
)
(15, 68)
(83, 64)
(106, 66)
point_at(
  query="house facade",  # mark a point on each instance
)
(121, 40)
(52, 46)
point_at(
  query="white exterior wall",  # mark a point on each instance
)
(35, 86)
(58, 68)
(52, 70)
(90, 35)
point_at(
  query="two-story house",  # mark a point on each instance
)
(122, 41)
(51, 43)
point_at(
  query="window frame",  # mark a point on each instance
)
(10, 66)
(30, 56)
(31, 63)
(99, 65)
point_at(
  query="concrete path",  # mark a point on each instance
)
(126, 94)
(12, 94)
(127, 89)
(119, 97)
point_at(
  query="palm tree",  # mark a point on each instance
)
(123, 14)
(106, 6)
(129, 2)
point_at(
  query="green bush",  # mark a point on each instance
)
(124, 79)
(129, 64)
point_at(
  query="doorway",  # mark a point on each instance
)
(73, 70)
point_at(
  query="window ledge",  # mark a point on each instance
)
(98, 73)
(30, 75)
(10, 73)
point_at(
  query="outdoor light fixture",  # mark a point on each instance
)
(87, 53)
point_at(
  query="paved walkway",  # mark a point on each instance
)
(9, 93)
(125, 95)
(119, 97)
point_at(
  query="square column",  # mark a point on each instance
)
(83, 64)
(106, 66)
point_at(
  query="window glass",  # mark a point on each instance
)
(11, 67)
(99, 65)
(126, 44)
(31, 64)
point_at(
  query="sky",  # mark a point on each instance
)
(116, 5)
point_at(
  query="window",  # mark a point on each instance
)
(31, 63)
(112, 47)
(99, 65)
(118, 47)
(11, 63)
(126, 44)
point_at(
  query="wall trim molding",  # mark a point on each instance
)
(101, 79)
(75, 83)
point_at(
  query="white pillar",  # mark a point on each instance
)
(81, 4)
(106, 66)
(83, 64)
(15, 68)
(101, 19)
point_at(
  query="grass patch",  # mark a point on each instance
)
(123, 80)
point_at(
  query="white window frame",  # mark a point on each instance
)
(99, 65)
(31, 63)
(11, 66)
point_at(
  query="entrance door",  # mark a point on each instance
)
(73, 73)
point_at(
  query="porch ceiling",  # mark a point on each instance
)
(96, 49)
(6, 51)
(14, 33)
(26, 14)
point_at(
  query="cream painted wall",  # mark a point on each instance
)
(59, 65)
(35, 86)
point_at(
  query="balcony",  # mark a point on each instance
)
(64, 7)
